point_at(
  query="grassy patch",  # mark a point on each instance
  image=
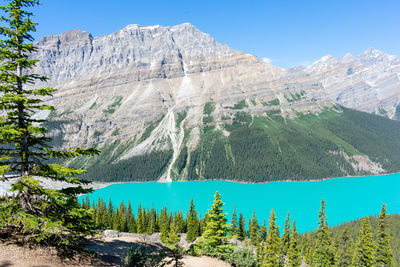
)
(208, 119)
(116, 103)
(240, 105)
(295, 97)
(209, 107)
(274, 102)
(150, 127)
(180, 116)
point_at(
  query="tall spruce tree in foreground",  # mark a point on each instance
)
(323, 252)
(25, 153)
(364, 248)
(214, 239)
(384, 254)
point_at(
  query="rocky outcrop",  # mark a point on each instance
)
(369, 82)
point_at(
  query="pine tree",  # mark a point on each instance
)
(151, 225)
(25, 150)
(287, 232)
(234, 230)
(242, 227)
(344, 250)
(172, 239)
(172, 242)
(307, 248)
(128, 217)
(180, 222)
(119, 223)
(294, 256)
(139, 222)
(364, 248)
(165, 223)
(384, 254)
(272, 244)
(110, 212)
(192, 223)
(132, 224)
(263, 232)
(253, 229)
(323, 253)
(214, 241)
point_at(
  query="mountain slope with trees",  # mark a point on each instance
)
(271, 147)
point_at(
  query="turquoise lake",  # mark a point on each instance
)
(346, 198)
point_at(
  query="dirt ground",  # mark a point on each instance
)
(204, 261)
(12, 255)
(109, 252)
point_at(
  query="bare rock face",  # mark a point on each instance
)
(110, 86)
(369, 82)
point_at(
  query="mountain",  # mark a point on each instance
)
(167, 103)
(369, 82)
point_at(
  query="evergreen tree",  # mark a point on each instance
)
(272, 244)
(323, 254)
(151, 225)
(25, 150)
(192, 223)
(263, 232)
(253, 229)
(215, 239)
(164, 227)
(242, 227)
(139, 222)
(128, 217)
(180, 222)
(287, 232)
(384, 254)
(172, 240)
(344, 250)
(234, 230)
(294, 256)
(110, 212)
(307, 248)
(260, 251)
(132, 224)
(364, 248)
(120, 218)
(145, 220)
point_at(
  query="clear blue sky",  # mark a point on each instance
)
(287, 32)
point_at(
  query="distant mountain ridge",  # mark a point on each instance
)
(369, 82)
(159, 100)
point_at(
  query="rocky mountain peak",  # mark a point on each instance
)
(68, 37)
(372, 56)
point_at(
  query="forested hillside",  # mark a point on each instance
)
(354, 228)
(269, 147)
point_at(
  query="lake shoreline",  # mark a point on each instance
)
(100, 185)
(5, 186)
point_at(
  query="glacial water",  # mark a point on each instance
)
(346, 198)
